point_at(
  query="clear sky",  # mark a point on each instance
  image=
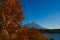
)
(44, 12)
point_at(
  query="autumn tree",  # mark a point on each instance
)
(11, 15)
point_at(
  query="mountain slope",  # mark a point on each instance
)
(33, 24)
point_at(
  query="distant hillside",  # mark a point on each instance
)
(33, 24)
(49, 30)
(40, 28)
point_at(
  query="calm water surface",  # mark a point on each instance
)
(54, 36)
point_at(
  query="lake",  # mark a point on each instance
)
(54, 36)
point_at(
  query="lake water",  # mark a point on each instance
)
(54, 36)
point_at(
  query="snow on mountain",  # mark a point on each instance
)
(33, 24)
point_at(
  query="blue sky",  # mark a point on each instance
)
(43, 12)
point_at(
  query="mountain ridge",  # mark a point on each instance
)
(35, 25)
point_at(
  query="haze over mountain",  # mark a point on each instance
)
(35, 25)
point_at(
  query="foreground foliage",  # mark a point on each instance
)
(23, 34)
(11, 16)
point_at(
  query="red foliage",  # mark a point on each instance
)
(10, 13)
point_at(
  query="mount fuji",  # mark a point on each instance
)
(35, 25)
